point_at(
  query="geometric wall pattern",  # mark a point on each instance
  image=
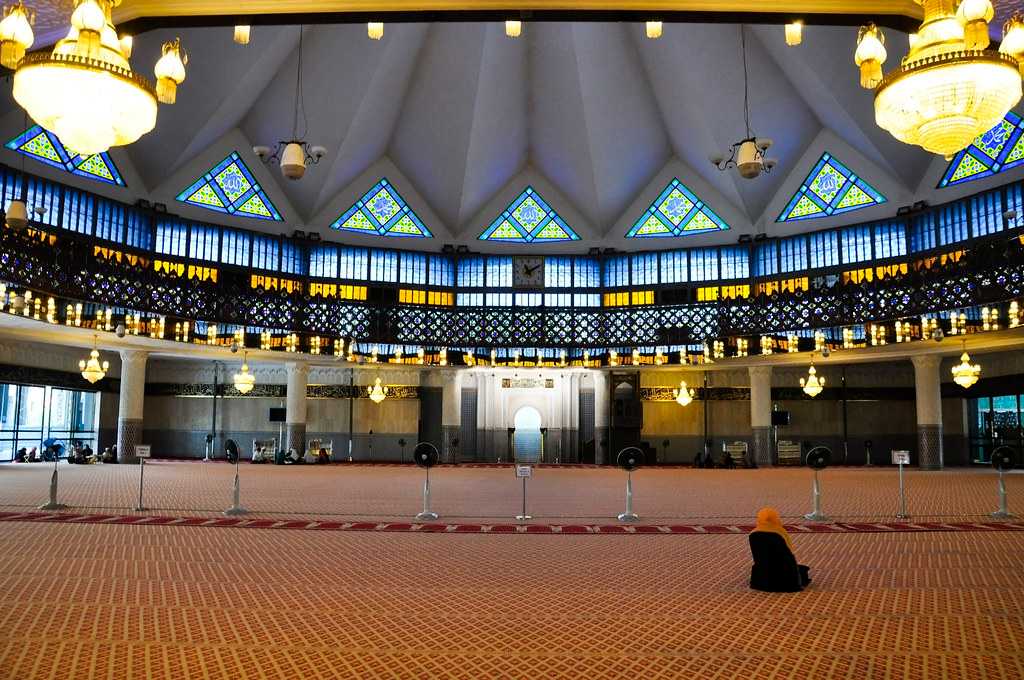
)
(229, 187)
(998, 150)
(42, 145)
(382, 211)
(529, 218)
(676, 212)
(830, 189)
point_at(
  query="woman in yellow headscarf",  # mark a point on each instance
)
(775, 567)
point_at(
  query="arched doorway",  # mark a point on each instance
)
(527, 437)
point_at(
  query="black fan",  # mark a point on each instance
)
(425, 455)
(1002, 458)
(630, 458)
(819, 457)
(231, 450)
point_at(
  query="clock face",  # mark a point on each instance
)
(528, 272)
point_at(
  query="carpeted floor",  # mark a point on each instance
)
(120, 602)
(493, 493)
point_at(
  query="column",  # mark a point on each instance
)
(602, 409)
(130, 404)
(761, 414)
(929, 411)
(451, 415)
(295, 407)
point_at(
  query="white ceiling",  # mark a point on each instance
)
(595, 112)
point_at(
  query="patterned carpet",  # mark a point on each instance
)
(124, 602)
(492, 494)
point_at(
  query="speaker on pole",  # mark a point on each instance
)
(425, 455)
(818, 459)
(629, 459)
(1003, 460)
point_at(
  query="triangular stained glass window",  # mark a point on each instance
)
(998, 150)
(830, 189)
(43, 146)
(229, 187)
(384, 212)
(529, 219)
(676, 212)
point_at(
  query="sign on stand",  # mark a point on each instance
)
(142, 452)
(901, 458)
(524, 472)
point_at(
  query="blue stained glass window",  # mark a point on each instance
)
(528, 299)
(43, 146)
(229, 187)
(471, 272)
(529, 218)
(557, 272)
(234, 247)
(586, 273)
(735, 262)
(616, 271)
(412, 268)
(704, 264)
(793, 254)
(204, 243)
(824, 249)
(922, 232)
(139, 231)
(44, 196)
(586, 299)
(676, 212)
(998, 150)
(952, 223)
(383, 266)
(171, 237)
(558, 299)
(292, 260)
(323, 261)
(498, 299)
(856, 244)
(499, 272)
(110, 220)
(78, 211)
(440, 271)
(986, 214)
(674, 266)
(469, 299)
(352, 263)
(890, 240)
(830, 189)
(266, 252)
(382, 211)
(766, 261)
(645, 269)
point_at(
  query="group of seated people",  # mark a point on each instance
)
(80, 454)
(263, 454)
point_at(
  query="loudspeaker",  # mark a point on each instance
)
(819, 457)
(780, 418)
(1003, 457)
(630, 458)
(425, 455)
(278, 415)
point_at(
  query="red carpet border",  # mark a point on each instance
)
(504, 528)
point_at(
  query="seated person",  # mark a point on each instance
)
(89, 454)
(21, 455)
(293, 457)
(775, 568)
(322, 456)
(259, 456)
(109, 456)
(33, 455)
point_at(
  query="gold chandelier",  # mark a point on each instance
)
(813, 385)
(92, 370)
(85, 91)
(950, 88)
(244, 380)
(684, 395)
(378, 392)
(965, 373)
(15, 34)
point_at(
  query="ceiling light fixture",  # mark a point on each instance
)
(965, 374)
(950, 88)
(378, 392)
(170, 71)
(244, 381)
(92, 370)
(16, 35)
(746, 155)
(242, 34)
(294, 155)
(684, 395)
(127, 44)
(653, 30)
(813, 385)
(794, 33)
(85, 91)
(375, 30)
(513, 28)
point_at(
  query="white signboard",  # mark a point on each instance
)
(142, 450)
(901, 457)
(524, 471)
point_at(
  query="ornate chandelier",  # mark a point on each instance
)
(378, 392)
(15, 34)
(965, 373)
(950, 88)
(813, 385)
(85, 91)
(684, 395)
(92, 370)
(244, 380)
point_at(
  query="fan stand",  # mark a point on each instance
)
(629, 515)
(427, 513)
(1003, 512)
(816, 515)
(236, 507)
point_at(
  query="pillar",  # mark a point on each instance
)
(295, 407)
(928, 395)
(130, 403)
(602, 409)
(761, 414)
(451, 415)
